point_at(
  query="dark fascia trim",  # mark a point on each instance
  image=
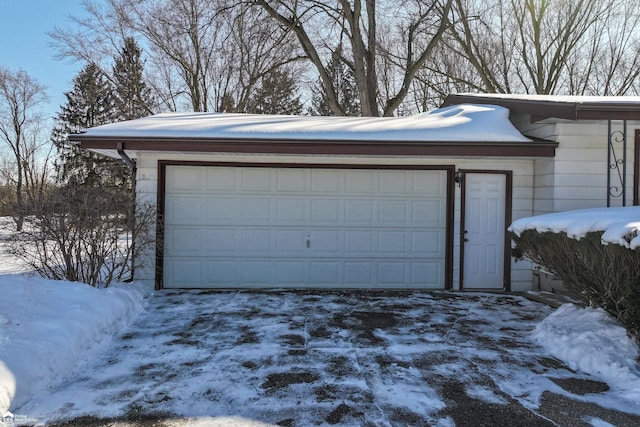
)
(309, 147)
(540, 110)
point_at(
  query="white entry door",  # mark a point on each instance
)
(304, 227)
(484, 231)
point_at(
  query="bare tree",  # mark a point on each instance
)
(20, 97)
(545, 47)
(81, 234)
(199, 51)
(411, 36)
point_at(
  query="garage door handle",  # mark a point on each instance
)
(308, 240)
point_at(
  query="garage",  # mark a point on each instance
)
(267, 201)
(296, 226)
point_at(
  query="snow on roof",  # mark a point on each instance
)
(620, 225)
(464, 122)
(574, 99)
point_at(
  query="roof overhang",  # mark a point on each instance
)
(111, 144)
(460, 131)
(541, 107)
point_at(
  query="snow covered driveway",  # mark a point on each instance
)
(320, 358)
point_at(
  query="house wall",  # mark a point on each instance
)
(581, 165)
(523, 191)
(577, 177)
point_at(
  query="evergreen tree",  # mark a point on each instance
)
(277, 94)
(132, 96)
(90, 103)
(344, 82)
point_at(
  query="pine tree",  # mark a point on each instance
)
(90, 103)
(132, 96)
(344, 82)
(277, 94)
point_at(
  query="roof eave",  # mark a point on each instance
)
(323, 147)
(541, 109)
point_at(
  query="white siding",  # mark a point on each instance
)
(577, 177)
(581, 165)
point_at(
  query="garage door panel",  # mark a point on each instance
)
(394, 183)
(254, 271)
(428, 213)
(183, 240)
(291, 181)
(358, 273)
(428, 244)
(324, 273)
(252, 180)
(255, 210)
(218, 242)
(187, 273)
(361, 182)
(256, 242)
(290, 242)
(393, 212)
(359, 243)
(326, 211)
(429, 183)
(393, 243)
(324, 242)
(359, 212)
(392, 273)
(291, 211)
(184, 209)
(273, 227)
(186, 179)
(326, 181)
(220, 179)
(221, 210)
(221, 273)
(427, 274)
(291, 273)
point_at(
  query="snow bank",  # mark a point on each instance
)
(47, 327)
(620, 225)
(592, 341)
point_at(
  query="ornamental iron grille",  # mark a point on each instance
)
(617, 164)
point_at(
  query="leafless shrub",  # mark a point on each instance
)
(86, 235)
(606, 276)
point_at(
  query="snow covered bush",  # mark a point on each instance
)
(603, 275)
(86, 234)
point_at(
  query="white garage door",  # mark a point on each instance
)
(293, 227)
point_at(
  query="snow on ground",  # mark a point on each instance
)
(305, 358)
(47, 327)
(592, 341)
(620, 225)
(241, 356)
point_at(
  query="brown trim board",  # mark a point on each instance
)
(161, 198)
(327, 147)
(541, 109)
(636, 169)
(508, 214)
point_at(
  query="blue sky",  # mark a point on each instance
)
(24, 43)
